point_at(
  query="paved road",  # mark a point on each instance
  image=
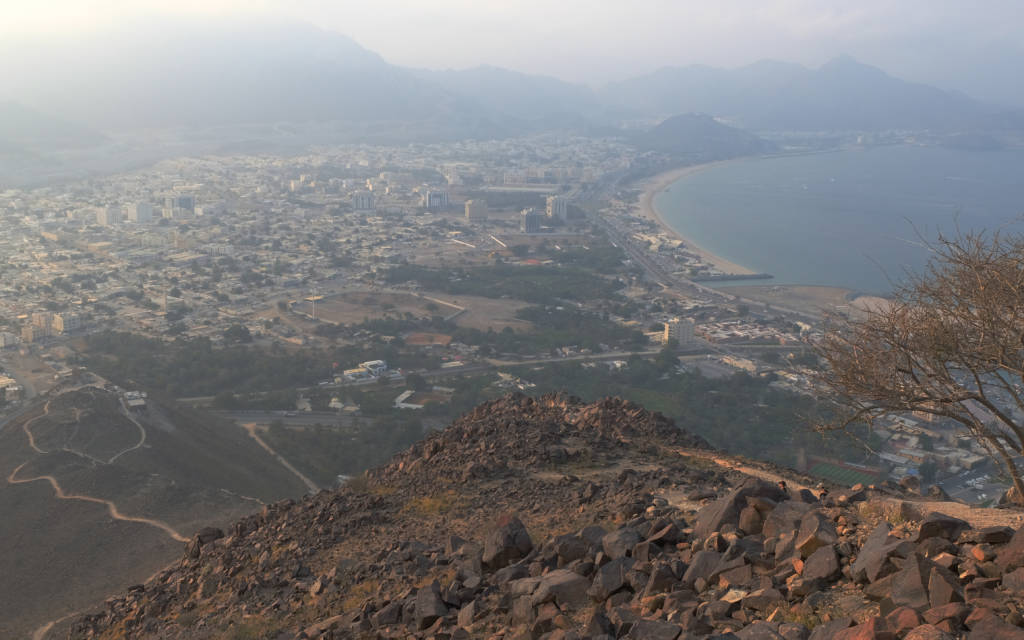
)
(678, 285)
(251, 429)
(300, 418)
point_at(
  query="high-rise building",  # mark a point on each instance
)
(42, 319)
(141, 212)
(529, 220)
(476, 210)
(66, 322)
(557, 207)
(180, 206)
(435, 200)
(31, 333)
(108, 216)
(362, 201)
(680, 330)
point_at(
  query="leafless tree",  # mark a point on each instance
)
(950, 344)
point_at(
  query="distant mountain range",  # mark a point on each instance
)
(224, 74)
(515, 94)
(840, 95)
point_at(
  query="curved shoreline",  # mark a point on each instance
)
(653, 186)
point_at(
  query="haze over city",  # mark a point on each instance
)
(511, 320)
(975, 48)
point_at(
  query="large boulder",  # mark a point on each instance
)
(816, 531)
(661, 580)
(569, 548)
(992, 628)
(702, 566)
(943, 587)
(620, 543)
(1014, 581)
(750, 521)
(1012, 555)
(508, 543)
(726, 510)
(759, 630)
(653, 630)
(872, 561)
(763, 599)
(565, 588)
(610, 578)
(822, 566)
(941, 525)
(784, 518)
(910, 584)
(429, 606)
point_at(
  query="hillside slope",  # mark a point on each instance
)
(95, 497)
(699, 137)
(550, 518)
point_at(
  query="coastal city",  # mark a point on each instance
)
(479, 261)
(511, 320)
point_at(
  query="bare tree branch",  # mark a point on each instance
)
(951, 344)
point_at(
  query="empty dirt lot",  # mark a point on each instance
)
(353, 307)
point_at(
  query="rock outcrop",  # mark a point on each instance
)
(554, 519)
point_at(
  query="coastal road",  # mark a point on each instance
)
(678, 285)
(670, 282)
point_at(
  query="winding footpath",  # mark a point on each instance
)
(111, 507)
(142, 433)
(28, 432)
(115, 513)
(61, 494)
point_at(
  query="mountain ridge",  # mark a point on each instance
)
(550, 518)
(255, 72)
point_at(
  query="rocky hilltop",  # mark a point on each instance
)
(550, 518)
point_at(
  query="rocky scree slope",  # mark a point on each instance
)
(553, 519)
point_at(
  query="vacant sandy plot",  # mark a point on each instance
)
(31, 371)
(299, 323)
(426, 397)
(806, 299)
(353, 307)
(483, 313)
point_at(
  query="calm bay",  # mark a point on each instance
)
(852, 218)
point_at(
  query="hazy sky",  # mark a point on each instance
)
(972, 45)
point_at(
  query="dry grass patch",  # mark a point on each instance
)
(437, 504)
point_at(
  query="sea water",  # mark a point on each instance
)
(859, 219)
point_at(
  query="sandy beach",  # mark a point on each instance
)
(653, 186)
(812, 300)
